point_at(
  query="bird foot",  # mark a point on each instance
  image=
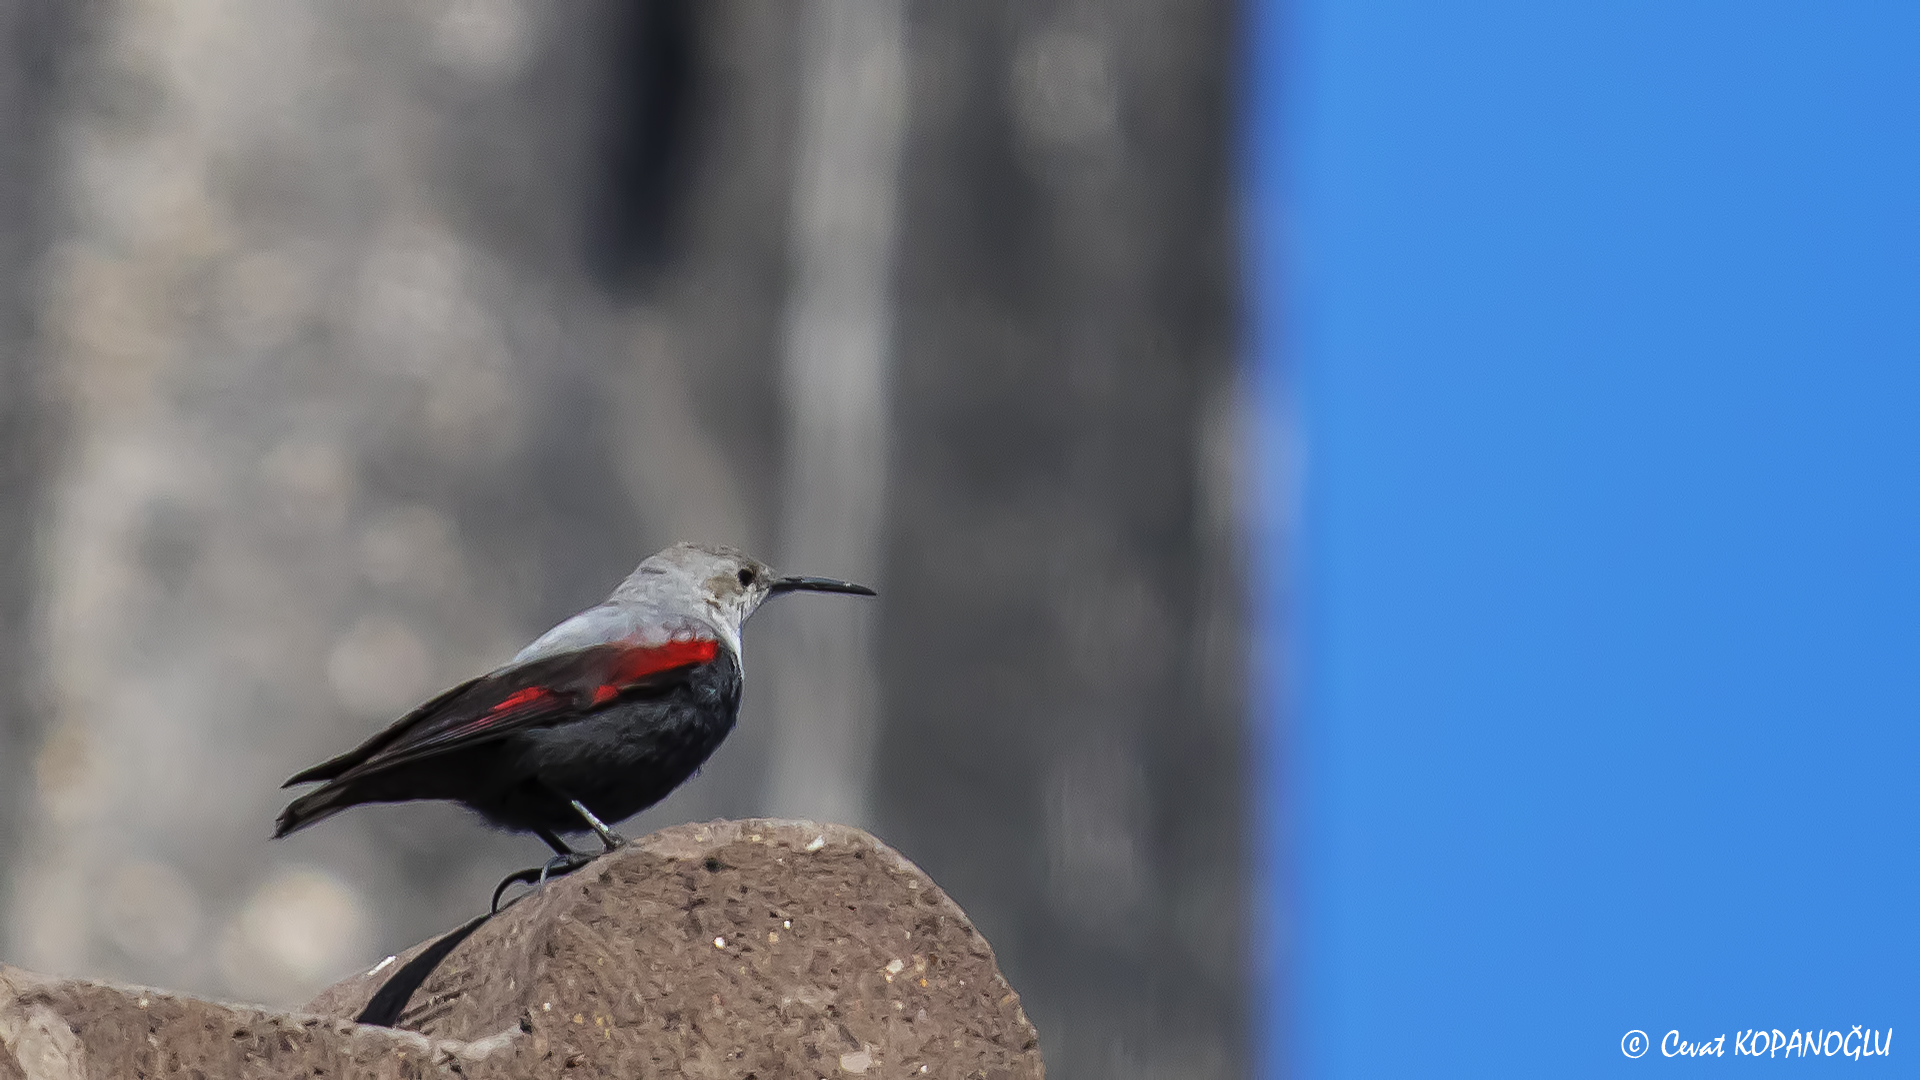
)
(536, 876)
(528, 876)
(562, 865)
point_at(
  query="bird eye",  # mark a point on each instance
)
(746, 577)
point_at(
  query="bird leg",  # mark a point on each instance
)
(607, 836)
(565, 860)
(610, 839)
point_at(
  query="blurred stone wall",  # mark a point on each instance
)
(373, 339)
(1062, 659)
(32, 39)
(366, 381)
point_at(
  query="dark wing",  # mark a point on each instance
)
(333, 767)
(533, 694)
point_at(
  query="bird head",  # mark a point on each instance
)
(721, 583)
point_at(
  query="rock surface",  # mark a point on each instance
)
(732, 949)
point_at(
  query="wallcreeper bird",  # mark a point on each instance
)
(597, 720)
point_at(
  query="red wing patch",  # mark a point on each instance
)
(540, 692)
(529, 695)
(637, 662)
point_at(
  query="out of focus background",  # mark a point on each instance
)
(1551, 685)
(346, 348)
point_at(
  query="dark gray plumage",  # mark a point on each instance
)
(598, 719)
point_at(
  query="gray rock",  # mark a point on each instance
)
(730, 949)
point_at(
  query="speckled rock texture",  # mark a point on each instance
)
(738, 949)
(73, 1029)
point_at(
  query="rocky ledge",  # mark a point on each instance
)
(733, 949)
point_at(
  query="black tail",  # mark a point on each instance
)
(326, 770)
(313, 806)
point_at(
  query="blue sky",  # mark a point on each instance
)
(1589, 339)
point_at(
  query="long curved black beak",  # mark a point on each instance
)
(818, 584)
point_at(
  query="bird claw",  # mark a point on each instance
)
(562, 865)
(529, 876)
(536, 876)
